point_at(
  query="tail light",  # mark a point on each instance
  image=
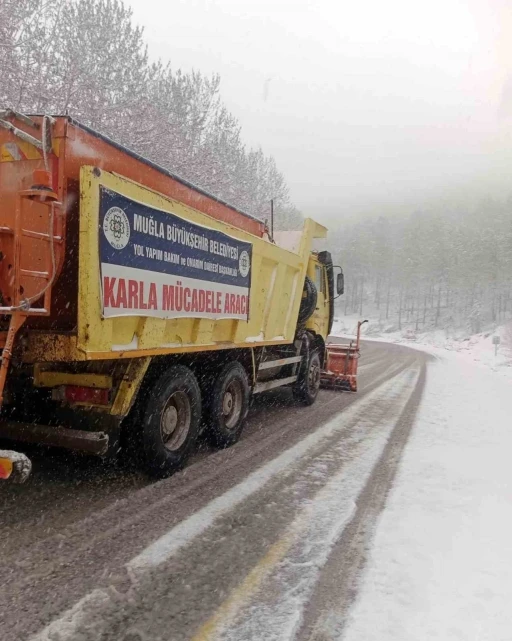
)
(14, 466)
(6, 466)
(83, 395)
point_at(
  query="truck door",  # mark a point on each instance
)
(320, 318)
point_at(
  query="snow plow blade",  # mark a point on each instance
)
(14, 467)
(341, 365)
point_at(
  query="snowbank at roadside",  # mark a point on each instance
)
(476, 348)
(440, 566)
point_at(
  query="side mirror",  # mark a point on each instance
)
(340, 284)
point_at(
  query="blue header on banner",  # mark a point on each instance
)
(135, 235)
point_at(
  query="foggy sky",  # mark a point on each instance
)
(366, 106)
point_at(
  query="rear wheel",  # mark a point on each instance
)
(307, 386)
(228, 405)
(170, 424)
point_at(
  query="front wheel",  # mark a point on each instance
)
(307, 385)
(170, 425)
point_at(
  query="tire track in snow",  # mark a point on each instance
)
(326, 614)
(57, 570)
(85, 620)
(271, 607)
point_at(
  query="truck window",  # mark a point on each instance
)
(319, 279)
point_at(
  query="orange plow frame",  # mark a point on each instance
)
(341, 364)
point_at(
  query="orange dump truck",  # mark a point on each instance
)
(135, 305)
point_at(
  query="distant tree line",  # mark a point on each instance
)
(432, 269)
(88, 59)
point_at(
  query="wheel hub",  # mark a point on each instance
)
(232, 404)
(314, 376)
(169, 420)
(227, 404)
(175, 420)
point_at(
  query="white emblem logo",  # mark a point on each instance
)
(244, 264)
(116, 228)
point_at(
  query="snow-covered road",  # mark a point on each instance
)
(381, 515)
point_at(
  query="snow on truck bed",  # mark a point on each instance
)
(440, 566)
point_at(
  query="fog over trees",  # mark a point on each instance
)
(442, 267)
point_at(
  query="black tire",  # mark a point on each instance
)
(170, 422)
(227, 406)
(308, 302)
(307, 386)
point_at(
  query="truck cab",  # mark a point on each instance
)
(321, 272)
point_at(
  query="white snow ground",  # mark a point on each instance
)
(476, 348)
(440, 566)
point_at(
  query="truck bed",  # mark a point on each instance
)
(125, 304)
